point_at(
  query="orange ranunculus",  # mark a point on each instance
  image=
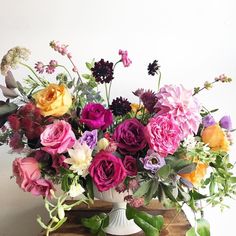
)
(54, 100)
(135, 107)
(197, 175)
(215, 137)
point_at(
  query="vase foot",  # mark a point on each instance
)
(118, 223)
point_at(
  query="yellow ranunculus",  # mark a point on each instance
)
(197, 175)
(54, 100)
(135, 107)
(215, 137)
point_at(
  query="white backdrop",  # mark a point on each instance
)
(194, 41)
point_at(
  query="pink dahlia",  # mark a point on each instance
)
(163, 134)
(180, 103)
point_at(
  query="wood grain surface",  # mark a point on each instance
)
(176, 224)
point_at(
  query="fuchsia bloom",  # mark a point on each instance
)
(57, 137)
(107, 171)
(163, 134)
(39, 67)
(95, 116)
(185, 109)
(124, 58)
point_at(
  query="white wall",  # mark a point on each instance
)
(194, 41)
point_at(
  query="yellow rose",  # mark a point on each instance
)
(197, 175)
(54, 100)
(215, 137)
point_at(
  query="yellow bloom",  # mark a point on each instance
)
(196, 176)
(102, 144)
(215, 137)
(135, 107)
(54, 100)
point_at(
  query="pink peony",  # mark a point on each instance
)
(130, 164)
(57, 137)
(129, 136)
(26, 170)
(181, 104)
(163, 134)
(107, 171)
(95, 116)
(124, 58)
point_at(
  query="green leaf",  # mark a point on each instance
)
(147, 228)
(164, 171)
(180, 164)
(143, 189)
(196, 195)
(7, 108)
(89, 186)
(233, 179)
(152, 190)
(187, 169)
(168, 192)
(203, 227)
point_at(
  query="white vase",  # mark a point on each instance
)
(118, 223)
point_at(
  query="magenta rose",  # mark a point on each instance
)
(130, 164)
(129, 136)
(107, 171)
(26, 170)
(57, 137)
(95, 116)
(163, 134)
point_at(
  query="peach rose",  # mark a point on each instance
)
(215, 137)
(54, 100)
(197, 175)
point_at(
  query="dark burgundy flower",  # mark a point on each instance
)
(103, 71)
(153, 68)
(130, 164)
(14, 122)
(120, 106)
(129, 136)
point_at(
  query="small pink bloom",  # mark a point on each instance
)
(121, 187)
(136, 202)
(124, 57)
(57, 137)
(39, 66)
(133, 184)
(163, 134)
(16, 142)
(75, 69)
(26, 170)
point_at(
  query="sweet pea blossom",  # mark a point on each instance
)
(80, 158)
(124, 58)
(226, 123)
(208, 121)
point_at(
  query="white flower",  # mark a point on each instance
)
(189, 142)
(80, 158)
(75, 190)
(102, 144)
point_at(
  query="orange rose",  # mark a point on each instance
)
(54, 100)
(215, 137)
(197, 175)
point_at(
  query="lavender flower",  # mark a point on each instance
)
(152, 161)
(208, 121)
(90, 138)
(226, 123)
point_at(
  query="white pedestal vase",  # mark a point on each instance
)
(118, 223)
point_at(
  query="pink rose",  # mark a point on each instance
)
(107, 171)
(26, 170)
(57, 137)
(129, 136)
(95, 116)
(124, 58)
(163, 134)
(130, 165)
(41, 187)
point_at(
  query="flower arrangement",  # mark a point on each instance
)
(166, 146)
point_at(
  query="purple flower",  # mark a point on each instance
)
(90, 138)
(152, 161)
(208, 121)
(226, 123)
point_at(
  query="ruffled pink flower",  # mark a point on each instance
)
(163, 134)
(124, 57)
(51, 67)
(39, 67)
(180, 103)
(57, 137)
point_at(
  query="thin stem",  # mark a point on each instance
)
(107, 96)
(204, 88)
(173, 219)
(159, 81)
(66, 71)
(28, 67)
(109, 90)
(79, 77)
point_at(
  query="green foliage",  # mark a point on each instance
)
(202, 229)
(96, 223)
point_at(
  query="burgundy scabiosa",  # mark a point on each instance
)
(103, 71)
(153, 68)
(120, 106)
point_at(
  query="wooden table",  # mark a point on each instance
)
(177, 222)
